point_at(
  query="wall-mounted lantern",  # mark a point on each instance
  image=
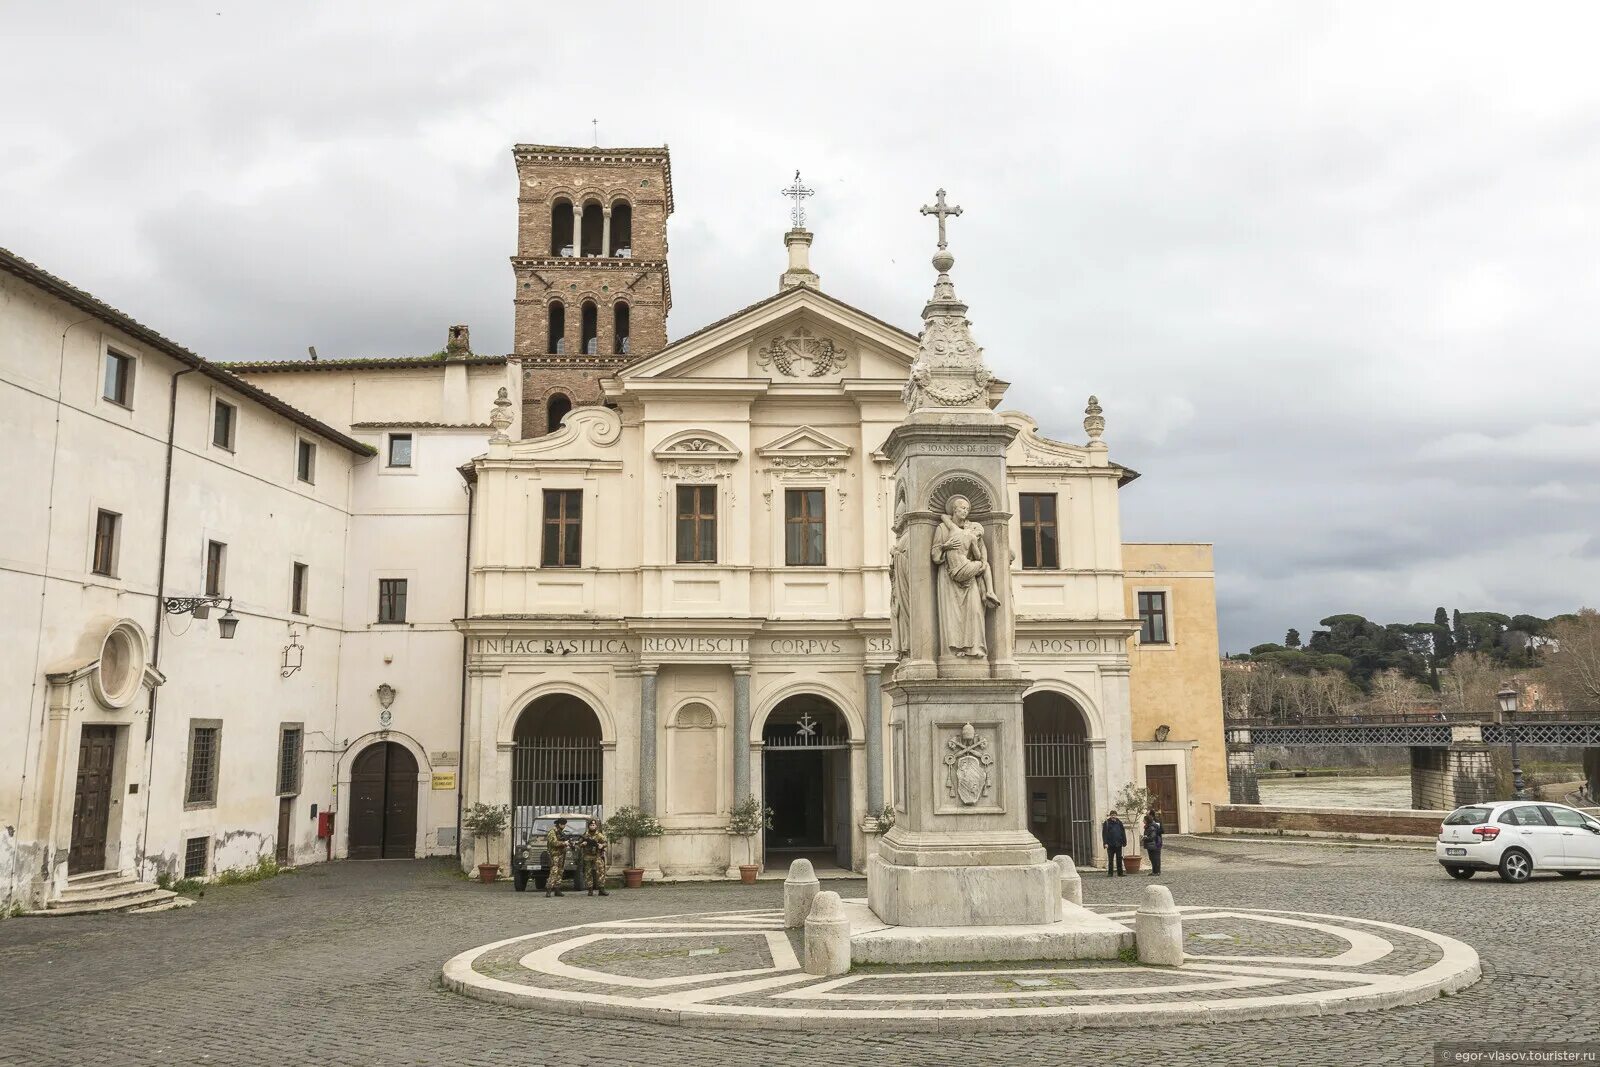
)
(294, 654)
(200, 608)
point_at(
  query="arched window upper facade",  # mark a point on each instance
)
(593, 222)
(556, 334)
(621, 229)
(556, 410)
(619, 328)
(561, 228)
(591, 329)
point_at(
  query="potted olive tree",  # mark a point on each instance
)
(632, 824)
(486, 821)
(1132, 803)
(748, 818)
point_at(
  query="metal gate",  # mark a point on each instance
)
(554, 775)
(1061, 762)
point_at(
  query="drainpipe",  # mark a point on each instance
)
(466, 643)
(161, 596)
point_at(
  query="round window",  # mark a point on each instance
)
(122, 662)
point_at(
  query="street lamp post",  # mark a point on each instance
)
(1508, 706)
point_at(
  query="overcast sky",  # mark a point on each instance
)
(1331, 269)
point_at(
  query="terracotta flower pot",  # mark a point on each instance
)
(748, 872)
(1130, 864)
(632, 877)
(487, 872)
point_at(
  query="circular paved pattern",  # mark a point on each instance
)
(742, 968)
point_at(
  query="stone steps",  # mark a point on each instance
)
(99, 892)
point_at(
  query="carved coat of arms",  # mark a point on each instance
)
(801, 356)
(968, 758)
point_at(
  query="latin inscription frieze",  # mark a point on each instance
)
(1067, 646)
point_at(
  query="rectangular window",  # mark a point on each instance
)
(697, 524)
(205, 751)
(563, 528)
(297, 589)
(1039, 531)
(106, 526)
(399, 450)
(289, 745)
(804, 528)
(119, 379)
(305, 461)
(223, 417)
(1152, 618)
(216, 567)
(391, 600)
(196, 854)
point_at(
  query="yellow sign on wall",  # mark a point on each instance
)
(444, 779)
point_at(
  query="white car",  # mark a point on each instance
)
(1518, 837)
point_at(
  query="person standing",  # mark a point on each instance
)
(1151, 839)
(1114, 836)
(555, 845)
(592, 846)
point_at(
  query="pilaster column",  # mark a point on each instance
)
(605, 231)
(741, 734)
(647, 740)
(874, 679)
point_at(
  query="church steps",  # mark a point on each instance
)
(97, 894)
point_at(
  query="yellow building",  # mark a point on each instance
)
(1175, 686)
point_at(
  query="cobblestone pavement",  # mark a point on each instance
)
(339, 964)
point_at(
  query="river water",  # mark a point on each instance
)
(1385, 792)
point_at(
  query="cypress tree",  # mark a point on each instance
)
(1443, 645)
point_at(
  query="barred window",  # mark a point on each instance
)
(196, 853)
(290, 741)
(205, 751)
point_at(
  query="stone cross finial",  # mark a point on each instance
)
(500, 418)
(798, 194)
(939, 208)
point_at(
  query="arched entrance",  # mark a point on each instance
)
(806, 782)
(383, 803)
(556, 762)
(1056, 757)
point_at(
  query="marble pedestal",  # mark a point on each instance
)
(1079, 934)
(961, 855)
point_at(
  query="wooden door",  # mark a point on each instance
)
(383, 803)
(1162, 781)
(91, 805)
(285, 817)
(400, 805)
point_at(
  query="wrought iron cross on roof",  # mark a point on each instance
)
(798, 193)
(939, 208)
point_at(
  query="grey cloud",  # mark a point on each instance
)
(1330, 270)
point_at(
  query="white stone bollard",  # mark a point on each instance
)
(799, 889)
(1158, 928)
(827, 936)
(1071, 884)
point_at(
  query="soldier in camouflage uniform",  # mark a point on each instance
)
(555, 843)
(593, 848)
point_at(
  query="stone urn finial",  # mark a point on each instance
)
(1094, 422)
(500, 418)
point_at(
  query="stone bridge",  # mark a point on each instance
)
(1450, 755)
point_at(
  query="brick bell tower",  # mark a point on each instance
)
(592, 289)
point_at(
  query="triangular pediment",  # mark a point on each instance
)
(805, 441)
(800, 336)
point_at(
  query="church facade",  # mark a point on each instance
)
(600, 570)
